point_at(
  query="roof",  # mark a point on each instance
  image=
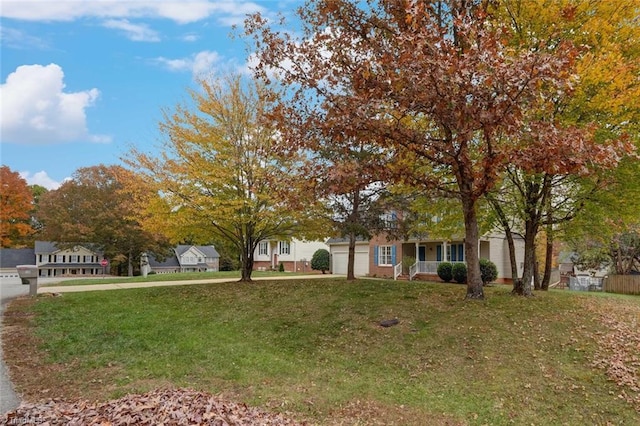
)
(10, 258)
(170, 261)
(47, 247)
(208, 251)
(345, 240)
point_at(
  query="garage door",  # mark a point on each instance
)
(340, 257)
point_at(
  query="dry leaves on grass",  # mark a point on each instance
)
(161, 407)
(618, 350)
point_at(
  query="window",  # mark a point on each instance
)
(263, 248)
(385, 255)
(285, 247)
(455, 253)
(390, 220)
(73, 258)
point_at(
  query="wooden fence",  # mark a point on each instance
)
(624, 284)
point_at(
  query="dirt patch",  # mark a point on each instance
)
(32, 377)
(373, 413)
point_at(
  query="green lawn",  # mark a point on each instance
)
(314, 348)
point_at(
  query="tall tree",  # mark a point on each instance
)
(555, 184)
(219, 167)
(16, 203)
(105, 206)
(434, 83)
(346, 176)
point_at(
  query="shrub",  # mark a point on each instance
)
(444, 271)
(407, 262)
(281, 267)
(488, 271)
(320, 260)
(459, 272)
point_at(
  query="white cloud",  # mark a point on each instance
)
(181, 12)
(36, 110)
(41, 178)
(135, 32)
(17, 39)
(190, 38)
(199, 64)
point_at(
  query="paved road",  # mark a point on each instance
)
(9, 289)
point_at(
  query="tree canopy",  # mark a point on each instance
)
(440, 86)
(16, 204)
(105, 206)
(219, 170)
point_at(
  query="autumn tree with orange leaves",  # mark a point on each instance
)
(435, 84)
(107, 207)
(16, 203)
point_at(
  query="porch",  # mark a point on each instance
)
(426, 256)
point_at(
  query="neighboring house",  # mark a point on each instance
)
(378, 256)
(81, 260)
(568, 268)
(187, 258)
(295, 255)
(11, 258)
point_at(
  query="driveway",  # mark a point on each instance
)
(9, 289)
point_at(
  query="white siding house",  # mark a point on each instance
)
(295, 255)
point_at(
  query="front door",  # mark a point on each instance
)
(422, 253)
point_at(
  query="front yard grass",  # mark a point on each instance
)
(315, 349)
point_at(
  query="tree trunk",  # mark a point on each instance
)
(353, 219)
(532, 213)
(474, 278)
(130, 264)
(351, 259)
(536, 273)
(523, 287)
(246, 267)
(548, 258)
(504, 221)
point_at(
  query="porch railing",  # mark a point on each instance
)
(397, 271)
(425, 267)
(413, 270)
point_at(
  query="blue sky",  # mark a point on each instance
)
(84, 80)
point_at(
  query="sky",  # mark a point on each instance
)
(84, 81)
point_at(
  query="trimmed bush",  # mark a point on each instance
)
(320, 260)
(459, 272)
(281, 267)
(488, 271)
(445, 271)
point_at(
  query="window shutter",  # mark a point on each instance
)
(375, 255)
(393, 255)
(439, 253)
(461, 252)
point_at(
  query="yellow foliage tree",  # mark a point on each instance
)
(220, 172)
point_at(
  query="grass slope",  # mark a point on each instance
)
(315, 349)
